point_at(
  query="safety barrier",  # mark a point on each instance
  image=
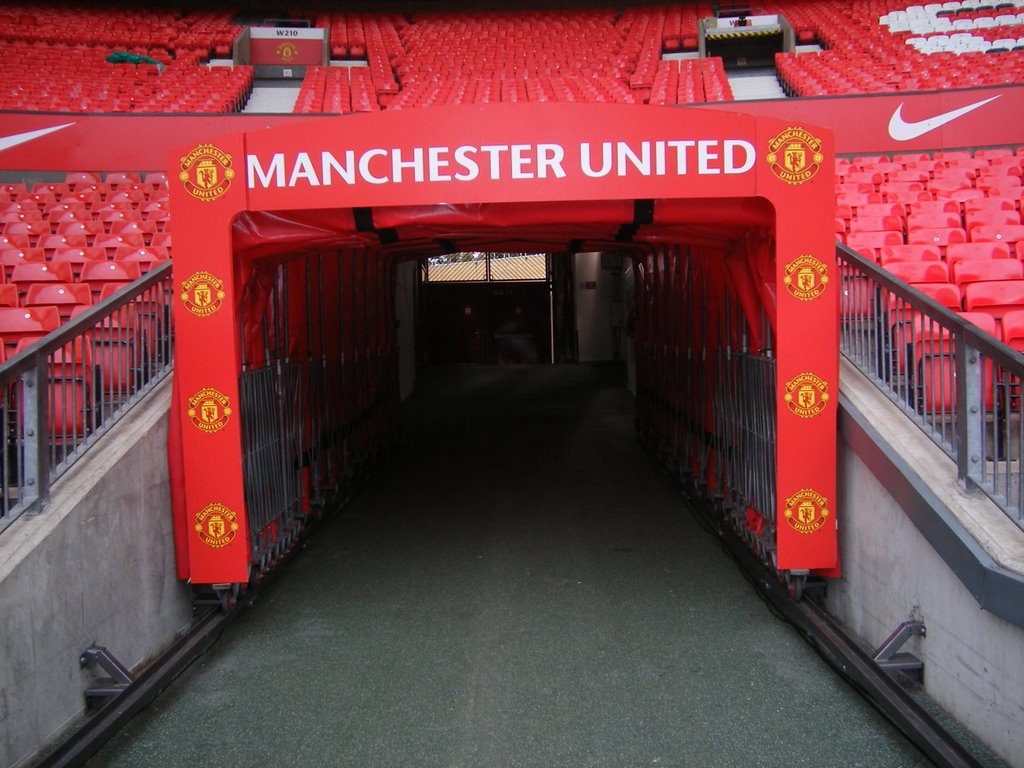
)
(945, 369)
(318, 388)
(702, 388)
(62, 392)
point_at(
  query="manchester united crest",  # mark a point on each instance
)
(216, 525)
(287, 52)
(206, 172)
(805, 277)
(209, 410)
(806, 510)
(806, 395)
(795, 155)
(202, 294)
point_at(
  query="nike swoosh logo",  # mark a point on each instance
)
(901, 130)
(20, 138)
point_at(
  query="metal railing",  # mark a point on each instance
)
(62, 393)
(945, 370)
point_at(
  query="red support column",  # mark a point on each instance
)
(801, 185)
(208, 191)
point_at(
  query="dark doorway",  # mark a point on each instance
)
(485, 323)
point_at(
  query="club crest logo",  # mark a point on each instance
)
(206, 172)
(806, 395)
(216, 525)
(287, 52)
(209, 410)
(202, 294)
(806, 511)
(794, 155)
(805, 277)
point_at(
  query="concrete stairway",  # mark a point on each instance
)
(755, 85)
(272, 97)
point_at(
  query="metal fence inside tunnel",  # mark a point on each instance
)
(287, 374)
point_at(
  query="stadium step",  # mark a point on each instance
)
(755, 84)
(272, 97)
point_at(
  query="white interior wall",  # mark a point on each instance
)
(599, 316)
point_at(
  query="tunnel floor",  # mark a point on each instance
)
(516, 586)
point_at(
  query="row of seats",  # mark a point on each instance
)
(53, 287)
(964, 42)
(689, 81)
(67, 245)
(78, 78)
(862, 55)
(168, 28)
(440, 58)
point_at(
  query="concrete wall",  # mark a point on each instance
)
(974, 660)
(96, 566)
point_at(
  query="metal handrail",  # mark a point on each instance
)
(62, 393)
(948, 373)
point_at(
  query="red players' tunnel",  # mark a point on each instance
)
(287, 243)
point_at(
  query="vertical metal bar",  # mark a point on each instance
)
(36, 468)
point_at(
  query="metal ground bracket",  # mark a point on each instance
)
(106, 687)
(889, 657)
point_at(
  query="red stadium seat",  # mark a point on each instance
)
(958, 251)
(959, 194)
(854, 199)
(933, 220)
(11, 257)
(122, 179)
(161, 240)
(907, 196)
(20, 242)
(146, 257)
(873, 240)
(946, 294)
(934, 352)
(881, 209)
(133, 226)
(969, 271)
(919, 271)
(1006, 233)
(990, 218)
(935, 206)
(110, 243)
(940, 236)
(861, 223)
(76, 257)
(1013, 329)
(69, 376)
(1000, 182)
(84, 225)
(64, 296)
(913, 252)
(28, 272)
(97, 274)
(8, 295)
(68, 212)
(990, 204)
(994, 297)
(51, 243)
(30, 229)
(18, 323)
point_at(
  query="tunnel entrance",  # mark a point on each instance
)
(299, 259)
